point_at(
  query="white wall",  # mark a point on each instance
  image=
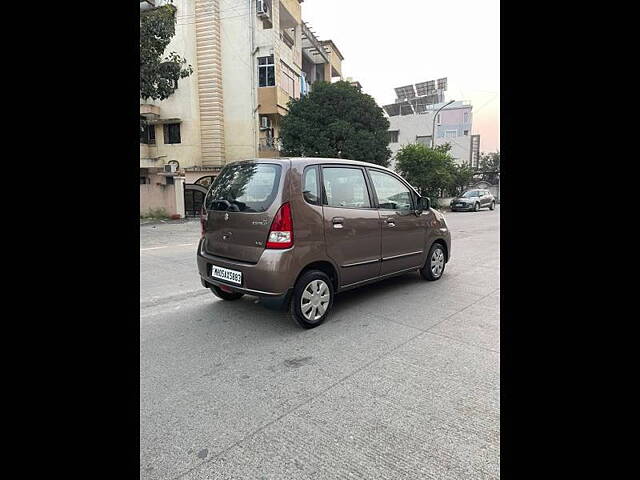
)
(411, 126)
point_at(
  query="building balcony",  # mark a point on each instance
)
(335, 57)
(149, 157)
(287, 39)
(291, 9)
(272, 100)
(152, 162)
(149, 111)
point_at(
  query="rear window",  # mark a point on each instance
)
(245, 187)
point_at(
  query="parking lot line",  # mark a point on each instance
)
(169, 246)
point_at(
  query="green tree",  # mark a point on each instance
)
(490, 167)
(159, 73)
(336, 120)
(462, 177)
(430, 171)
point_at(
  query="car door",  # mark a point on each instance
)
(351, 223)
(483, 198)
(403, 230)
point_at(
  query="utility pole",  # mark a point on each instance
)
(433, 130)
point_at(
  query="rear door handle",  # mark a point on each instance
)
(337, 222)
(391, 222)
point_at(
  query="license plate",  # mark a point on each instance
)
(232, 276)
(459, 204)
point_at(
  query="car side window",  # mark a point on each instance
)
(392, 193)
(345, 187)
(310, 186)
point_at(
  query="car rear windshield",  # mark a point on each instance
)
(245, 187)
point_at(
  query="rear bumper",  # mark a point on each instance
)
(275, 302)
(271, 277)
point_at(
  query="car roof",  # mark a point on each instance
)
(340, 161)
(314, 161)
(322, 160)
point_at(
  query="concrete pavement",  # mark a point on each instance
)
(401, 382)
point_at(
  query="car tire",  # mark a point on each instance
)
(492, 206)
(229, 296)
(433, 267)
(309, 299)
(476, 207)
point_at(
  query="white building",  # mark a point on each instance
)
(411, 121)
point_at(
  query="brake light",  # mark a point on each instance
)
(281, 231)
(203, 221)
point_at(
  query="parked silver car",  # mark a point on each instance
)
(473, 200)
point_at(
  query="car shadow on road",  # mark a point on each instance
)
(394, 287)
(257, 318)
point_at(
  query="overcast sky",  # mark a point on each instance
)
(388, 44)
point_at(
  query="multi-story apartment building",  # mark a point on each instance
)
(411, 121)
(249, 58)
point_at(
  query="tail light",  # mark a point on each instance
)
(203, 222)
(281, 231)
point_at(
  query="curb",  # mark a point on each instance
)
(144, 222)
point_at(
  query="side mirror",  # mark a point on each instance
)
(424, 203)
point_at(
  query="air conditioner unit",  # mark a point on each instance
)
(265, 122)
(170, 168)
(262, 8)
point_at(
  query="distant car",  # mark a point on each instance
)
(473, 200)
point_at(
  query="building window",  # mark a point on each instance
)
(266, 72)
(393, 136)
(450, 134)
(148, 135)
(466, 133)
(144, 180)
(466, 117)
(171, 133)
(424, 140)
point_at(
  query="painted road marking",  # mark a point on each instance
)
(169, 246)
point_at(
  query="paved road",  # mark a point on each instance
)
(401, 382)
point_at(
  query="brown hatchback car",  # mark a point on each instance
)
(296, 231)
